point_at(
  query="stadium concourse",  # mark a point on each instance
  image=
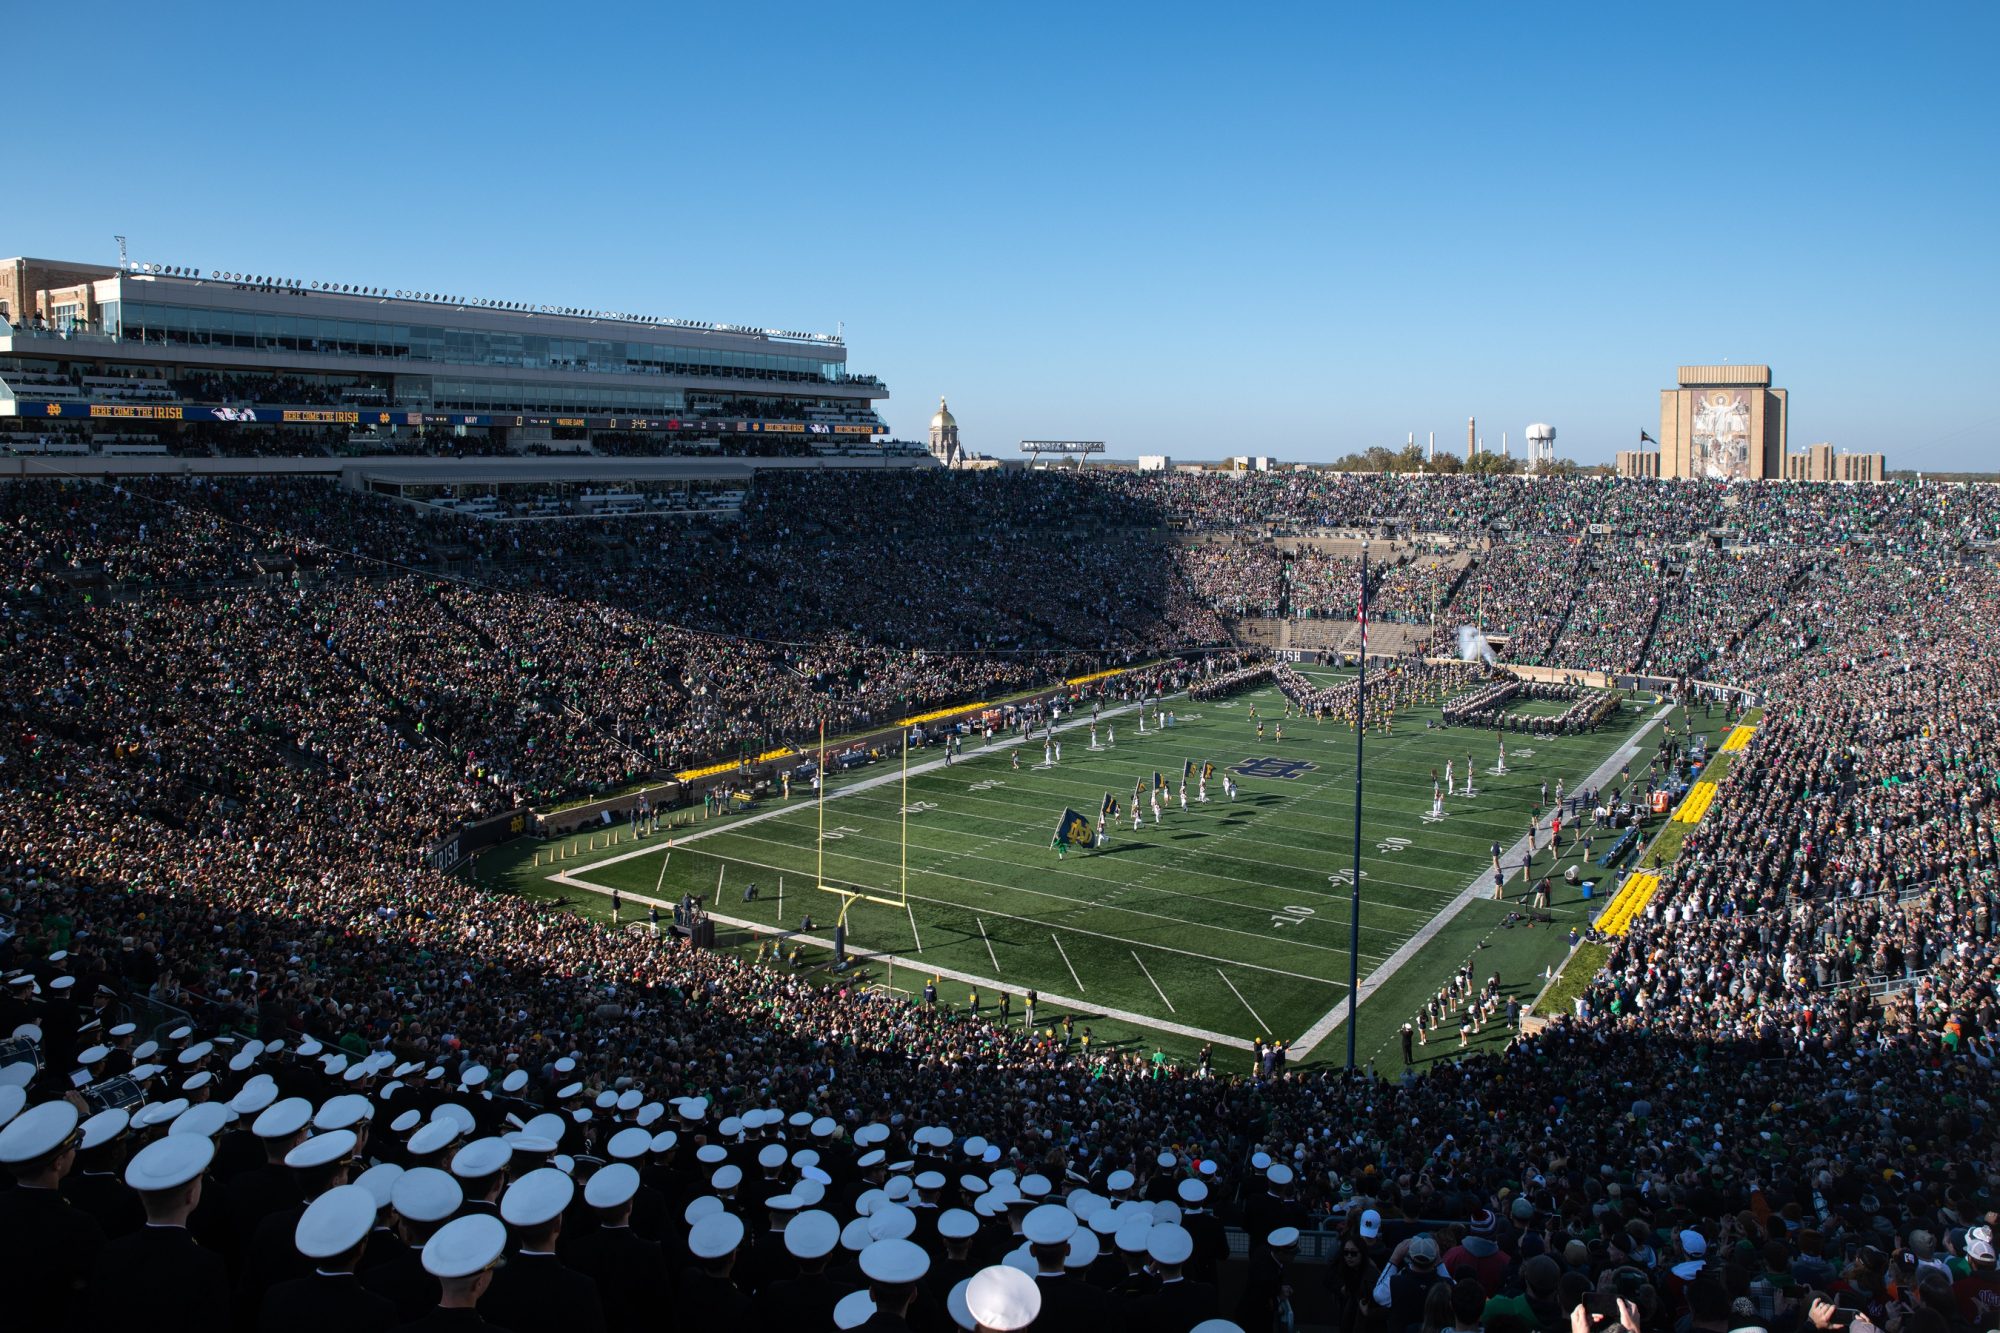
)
(268, 1069)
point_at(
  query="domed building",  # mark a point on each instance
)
(944, 437)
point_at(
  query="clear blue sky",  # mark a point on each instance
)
(1193, 230)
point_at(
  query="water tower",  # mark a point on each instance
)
(1541, 445)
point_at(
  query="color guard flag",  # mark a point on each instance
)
(1207, 770)
(1073, 829)
(1187, 769)
(1159, 783)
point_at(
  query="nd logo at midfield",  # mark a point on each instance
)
(1268, 767)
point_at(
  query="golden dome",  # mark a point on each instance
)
(944, 420)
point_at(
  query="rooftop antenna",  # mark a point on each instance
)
(121, 251)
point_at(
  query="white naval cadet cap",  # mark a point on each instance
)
(481, 1158)
(853, 1310)
(206, 1119)
(282, 1119)
(380, 1182)
(537, 1198)
(715, 1235)
(426, 1194)
(894, 1262)
(613, 1186)
(323, 1149)
(1049, 1224)
(169, 1163)
(103, 1127)
(343, 1112)
(627, 1144)
(433, 1137)
(1002, 1298)
(1169, 1244)
(253, 1097)
(37, 1132)
(159, 1113)
(812, 1234)
(336, 1222)
(465, 1246)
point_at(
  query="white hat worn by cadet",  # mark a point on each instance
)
(169, 1163)
(854, 1309)
(613, 1186)
(537, 1198)
(465, 1246)
(282, 1119)
(206, 1119)
(433, 1137)
(336, 1222)
(1169, 1244)
(103, 1127)
(715, 1235)
(1049, 1224)
(426, 1194)
(812, 1234)
(37, 1132)
(894, 1262)
(323, 1149)
(380, 1182)
(481, 1158)
(1003, 1299)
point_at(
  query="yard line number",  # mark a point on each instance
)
(1291, 916)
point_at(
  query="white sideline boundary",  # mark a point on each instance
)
(1477, 889)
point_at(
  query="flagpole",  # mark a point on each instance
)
(1354, 888)
(906, 801)
(822, 803)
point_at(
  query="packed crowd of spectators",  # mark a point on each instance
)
(1781, 1085)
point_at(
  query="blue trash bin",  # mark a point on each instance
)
(1589, 887)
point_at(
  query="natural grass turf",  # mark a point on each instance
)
(1190, 913)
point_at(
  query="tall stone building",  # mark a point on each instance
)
(944, 437)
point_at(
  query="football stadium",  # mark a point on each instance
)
(525, 814)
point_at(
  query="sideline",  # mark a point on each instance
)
(1480, 887)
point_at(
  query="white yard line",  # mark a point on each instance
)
(1239, 995)
(990, 957)
(1156, 985)
(913, 925)
(578, 882)
(1067, 963)
(1480, 887)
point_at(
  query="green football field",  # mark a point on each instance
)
(1220, 923)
